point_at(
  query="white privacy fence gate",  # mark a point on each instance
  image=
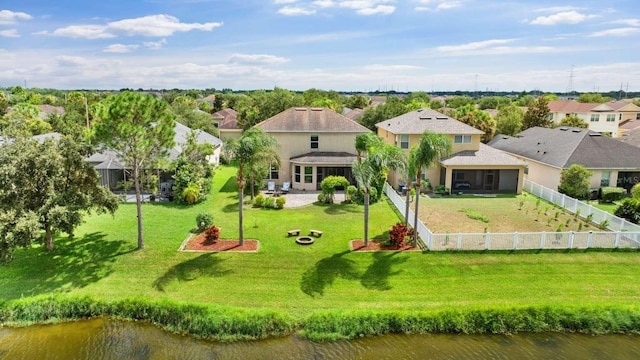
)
(625, 235)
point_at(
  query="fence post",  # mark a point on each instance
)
(487, 241)
(590, 240)
(622, 221)
(459, 241)
(617, 245)
(543, 238)
(562, 201)
(515, 240)
(571, 236)
(429, 240)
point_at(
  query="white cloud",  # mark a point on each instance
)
(474, 45)
(295, 11)
(628, 22)
(378, 10)
(10, 33)
(448, 5)
(8, 17)
(437, 5)
(557, 9)
(324, 3)
(120, 48)
(566, 17)
(152, 25)
(155, 45)
(281, 2)
(616, 32)
(257, 59)
(72, 61)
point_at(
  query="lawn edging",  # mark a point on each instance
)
(214, 322)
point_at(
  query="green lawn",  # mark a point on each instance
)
(610, 208)
(102, 261)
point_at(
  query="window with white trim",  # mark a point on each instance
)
(308, 175)
(404, 141)
(595, 117)
(462, 139)
(611, 117)
(315, 142)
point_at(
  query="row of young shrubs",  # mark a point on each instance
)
(226, 323)
(269, 202)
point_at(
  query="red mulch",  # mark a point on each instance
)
(197, 243)
(377, 245)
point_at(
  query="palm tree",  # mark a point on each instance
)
(252, 148)
(409, 174)
(380, 158)
(432, 147)
(364, 174)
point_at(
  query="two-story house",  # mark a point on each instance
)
(314, 143)
(473, 167)
(603, 118)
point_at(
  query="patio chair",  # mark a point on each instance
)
(271, 187)
(286, 186)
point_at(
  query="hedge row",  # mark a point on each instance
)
(226, 323)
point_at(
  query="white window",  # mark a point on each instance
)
(462, 139)
(404, 141)
(595, 117)
(611, 117)
(605, 178)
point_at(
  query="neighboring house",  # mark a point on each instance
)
(548, 151)
(226, 120)
(604, 118)
(112, 170)
(631, 137)
(314, 143)
(46, 110)
(473, 167)
(353, 114)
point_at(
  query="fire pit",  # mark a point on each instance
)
(304, 240)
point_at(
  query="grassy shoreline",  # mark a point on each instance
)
(296, 281)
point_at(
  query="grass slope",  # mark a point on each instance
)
(102, 261)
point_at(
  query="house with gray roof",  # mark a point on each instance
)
(112, 169)
(548, 151)
(472, 167)
(314, 143)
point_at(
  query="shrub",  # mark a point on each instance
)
(259, 200)
(574, 181)
(351, 192)
(211, 234)
(398, 233)
(329, 185)
(191, 193)
(630, 210)
(442, 190)
(635, 191)
(611, 194)
(203, 221)
(280, 201)
(268, 202)
(325, 198)
(604, 224)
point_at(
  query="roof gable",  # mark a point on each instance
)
(421, 120)
(311, 119)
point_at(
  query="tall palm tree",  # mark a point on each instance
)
(431, 148)
(364, 174)
(380, 158)
(252, 148)
(409, 174)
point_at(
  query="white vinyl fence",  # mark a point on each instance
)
(625, 235)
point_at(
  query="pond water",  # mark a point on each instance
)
(110, 339)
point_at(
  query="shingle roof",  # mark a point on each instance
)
(631, 137)
(421, 120)
(325, 157)
(229, 119)
(572, 106)
(629, 124)
(311, 120)
(354, 114)
(485, 156)
(564, 146)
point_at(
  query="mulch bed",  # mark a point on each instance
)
(377, 245)
(197, 243)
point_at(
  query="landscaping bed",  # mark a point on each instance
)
(199, 243)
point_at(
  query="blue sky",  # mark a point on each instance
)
(360, 45)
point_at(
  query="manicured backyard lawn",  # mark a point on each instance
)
(102, 261)
(502, 214)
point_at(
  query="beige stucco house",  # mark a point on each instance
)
(473, 167)
(548, 151)
(314, 143)
(226, 120)
(604, 118)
